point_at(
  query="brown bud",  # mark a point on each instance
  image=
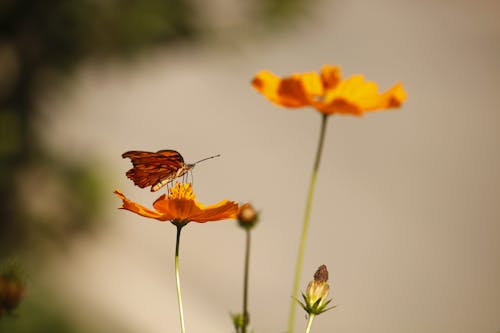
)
(321, 274)
(247, 216)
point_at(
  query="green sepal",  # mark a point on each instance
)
(301, 304)
(238, 320)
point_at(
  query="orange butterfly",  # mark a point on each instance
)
(157, 169)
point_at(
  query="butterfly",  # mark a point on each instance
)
(157, 169)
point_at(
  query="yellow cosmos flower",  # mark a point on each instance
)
(180, 207)
(327, 92)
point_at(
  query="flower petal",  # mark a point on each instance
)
(176, 209)
(223, 210)
(395, 96)
(287, 92)
(330, 76)
(312, 85)
(356, 95)
(138, 209)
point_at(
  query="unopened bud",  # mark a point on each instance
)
(247, 216)
(317, 290)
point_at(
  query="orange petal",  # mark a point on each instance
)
(138, 209)
(220, 211)
(176, 209)
(339, 105)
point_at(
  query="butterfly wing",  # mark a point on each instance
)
(150, 168)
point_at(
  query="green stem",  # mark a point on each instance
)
(245, 283)
(305, 226)
(177, 279)
(309, 323)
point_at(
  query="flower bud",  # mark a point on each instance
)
(247, 216)
(317, 290)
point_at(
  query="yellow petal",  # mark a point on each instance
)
(287, 92)
(356, 95)
(396, 96)
(311, 85)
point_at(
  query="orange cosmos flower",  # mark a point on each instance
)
(180, 207)
(327, 92)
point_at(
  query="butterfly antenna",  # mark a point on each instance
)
(207, 158)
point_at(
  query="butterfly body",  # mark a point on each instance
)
(156, 169)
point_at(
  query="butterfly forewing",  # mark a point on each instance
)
(155, 169)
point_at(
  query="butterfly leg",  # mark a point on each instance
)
(192, 176)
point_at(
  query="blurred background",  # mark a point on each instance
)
(406, 214)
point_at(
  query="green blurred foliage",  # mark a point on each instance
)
(42, 319)
(47, 200)
(278, 13)
(39, 37)
(39, 313)
(59, 33)
(12, 288)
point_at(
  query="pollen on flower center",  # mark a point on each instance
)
(181, 191)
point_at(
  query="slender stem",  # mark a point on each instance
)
(309, 323)
(245, 283)
(177, 279)
(305, 226)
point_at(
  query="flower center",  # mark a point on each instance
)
(181, 191)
